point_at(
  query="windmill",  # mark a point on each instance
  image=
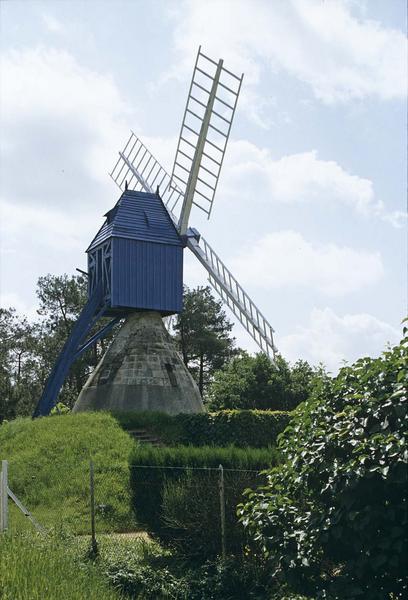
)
(135, 262)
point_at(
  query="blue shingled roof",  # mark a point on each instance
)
(138, 216)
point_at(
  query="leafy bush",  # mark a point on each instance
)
(333, 518)
(60, 409)
(144, 570)
(255, 428)
(163, 425)
(231, 579)
(176, 494)
(255, 382)
(139, 569)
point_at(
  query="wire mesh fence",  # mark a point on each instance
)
(193, 509)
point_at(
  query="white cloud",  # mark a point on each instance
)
(44, 80)
(194, 274)
(62, 124)
(301, 178)
(52, 228)
(36, 240)
(285, 259)
(331, 339)
(340, 56)
(163, 149)
(52, 23)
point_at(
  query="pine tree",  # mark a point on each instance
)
(202, 332)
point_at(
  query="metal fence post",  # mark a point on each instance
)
(92, 494)
(4, 496)
(222, 511)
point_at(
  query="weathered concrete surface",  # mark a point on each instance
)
(141, 370)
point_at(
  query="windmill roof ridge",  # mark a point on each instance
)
(139, 216)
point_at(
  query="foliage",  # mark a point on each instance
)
(28, 351)
(34, 567)
(144, 570)
(61, 299)
(19, 364)
(234, 579)
(202, 332)
(255, 382)
(333, 518)
(60, 409)
(49, 469)
(139, 568)
(161, 424)
(175, 492)
(255, 428)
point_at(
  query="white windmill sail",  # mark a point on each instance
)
(204, 134)
(233, 294)
(137, 169)
(221, 279)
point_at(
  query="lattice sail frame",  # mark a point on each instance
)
(205, 130)
(137, 168)
(220, 278)
(234, 295)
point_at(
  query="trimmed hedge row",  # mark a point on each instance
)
(175, 493)
(242, 428)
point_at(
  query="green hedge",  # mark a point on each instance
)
(175, 492)
(254, 428)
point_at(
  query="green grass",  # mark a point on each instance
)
(34, 567)
(49, 470)
(205, 456)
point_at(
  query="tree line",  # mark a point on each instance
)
(227, 376)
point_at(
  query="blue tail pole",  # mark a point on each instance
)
(91, 312)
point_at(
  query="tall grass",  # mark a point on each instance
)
(205, 456)
(49, 469)
(34, 567)
(176, 492)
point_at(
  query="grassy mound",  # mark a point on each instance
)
(49, 469)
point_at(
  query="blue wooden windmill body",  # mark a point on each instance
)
(137, 255)
(135, 262)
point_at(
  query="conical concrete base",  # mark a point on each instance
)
(141, 370)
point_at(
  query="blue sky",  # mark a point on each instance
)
(310, 210)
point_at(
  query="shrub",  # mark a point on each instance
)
(139, 569)
(255, 428)
(255, 382)
(333, 517)
(176, 494)
(143, 570)
(229, 579)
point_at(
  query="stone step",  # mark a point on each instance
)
(142, 436)
(136, 431)
(145, 437)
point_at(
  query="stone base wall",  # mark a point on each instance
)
(141, 370)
